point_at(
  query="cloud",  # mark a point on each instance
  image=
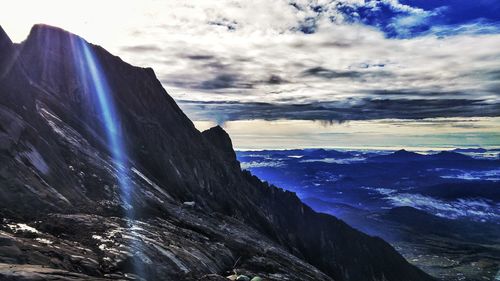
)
(350, 74)
(200, 57)
(319, 59)
(373, 68)
(351, 109)
(141, 48)
(223, 81)
(225, 23)
(470, 28)
(460, 12)
(331, 74)
(275, 79)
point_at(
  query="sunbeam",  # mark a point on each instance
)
(94, 80)
(110, 118)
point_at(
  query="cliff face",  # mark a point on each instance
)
(194, 211)
(6, 48)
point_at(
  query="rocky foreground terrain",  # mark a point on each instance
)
(188, 211)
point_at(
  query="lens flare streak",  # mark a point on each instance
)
(95, 83)
(110, 118)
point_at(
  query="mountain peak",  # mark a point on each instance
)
(406, 153)
(400, 155)
(450, 155)
(48, 38)
(218, 137)
(6, 47)
(45, 29)
(4, 39)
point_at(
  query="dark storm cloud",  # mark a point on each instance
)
(200, 57)
(493, 75)
(466, 123)
(337, 44)
(362, 109)
(334, 74)
(219, 82)
(414, 93)
(223, 81)
(495, 88)
(216, 65)
(142, 48)
(331, 74)
(223, 22)
(275, 80)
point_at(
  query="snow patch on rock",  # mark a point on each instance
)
(22, 227)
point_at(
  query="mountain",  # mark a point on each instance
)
(102, 176)
(398, 156)
(323, 153)
(426, 224)
(472, 189)
(474, 150)
(449, 156)
(405, 156)
(6, 48)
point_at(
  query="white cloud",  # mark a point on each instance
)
(264, 44)
(460, 208)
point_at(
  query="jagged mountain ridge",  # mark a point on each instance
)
(56, 174)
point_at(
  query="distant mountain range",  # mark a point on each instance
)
(403, 155)
(441, 210)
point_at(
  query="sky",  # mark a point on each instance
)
(306, 73)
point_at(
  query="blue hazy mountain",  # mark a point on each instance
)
(440, 209)
(398, 156)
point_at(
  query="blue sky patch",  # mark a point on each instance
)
(410, 18)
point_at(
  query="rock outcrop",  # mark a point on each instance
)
(65, 215)
(6, 49)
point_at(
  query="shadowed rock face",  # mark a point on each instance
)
(6, 49)
(63, 214)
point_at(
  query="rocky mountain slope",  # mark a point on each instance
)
(175, 206)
